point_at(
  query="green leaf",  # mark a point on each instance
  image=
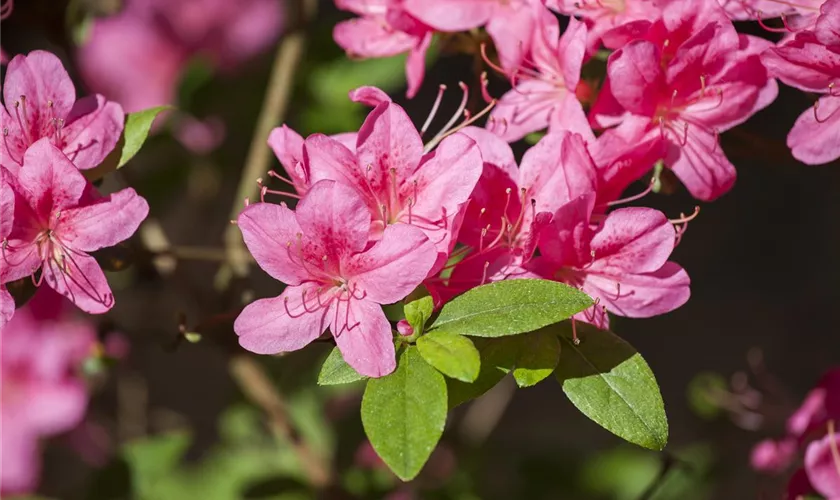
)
(418, 312)
(705, 392)
(609, 382)
(404, 414)
(136, 130)
(537, 356)
(510, 307)
(497, 359)
(453, 355)
(336, 371)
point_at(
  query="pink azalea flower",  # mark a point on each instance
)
(42, 396)
(686, 96)
(509, 23)
(603, 15)
(798, 14)
(543, 94)
(773, 456)
(809, 64)
(59, 219)
(40, 101)
(337, 278)
(822, 465)
(397, 181)
(385, 29)
(288, 148)
(621, 260)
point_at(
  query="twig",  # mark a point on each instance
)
(288, 57)
(257, 387)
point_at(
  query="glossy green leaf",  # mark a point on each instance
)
(404, 413)
(453, 355)
(536, 357)
(336, 371)
(137, 126)
(497, 359)
(609, 382)
(418, 312)
(510, 307)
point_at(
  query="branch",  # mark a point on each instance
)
(286, 60)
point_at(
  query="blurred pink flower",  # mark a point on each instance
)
(40, 101)
(42, 394)
(336, 279)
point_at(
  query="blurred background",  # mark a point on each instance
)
(177, 419)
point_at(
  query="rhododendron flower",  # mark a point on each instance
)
(604, 15)
(543, 94)
(795, 15)
(7, 214)
(40, 101)
(337, 277)
(810, 61)
(58, 219)
(822, 464)
(620, 260)
(397, 181)
(42, 395)
(510, 205)
(686, 97)
(509, 23)
(385, 29)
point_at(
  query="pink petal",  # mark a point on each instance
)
(571, 51)
(328, 159)
(48, 180)
(93, 128)
(271, 234)
(494, 151)
(556, 170)
(803, 63)
(451, 15)
(335, 217)
(415, 64)
(701, 165)
(606, 111)
(7, 306)
(19, 464)
(565, 242)
(40, 77)
(637, 67)
(393, 266)
(363, 7)
(525, 109)
(371, 37)
(363, 335)
(622, 161)
(55, 407)
(633, 240)
(20, 259)
(815, 142)
(13, 145)
(7, 203)
(82, 281)
(822, 464)
(370, 96)
(282, 324)
(388, 141)
(445, 179)
(288, 148)
(773, 456)
(568, 116)
(511, 28)
(104, 223)
(827, 29)
(640, 295)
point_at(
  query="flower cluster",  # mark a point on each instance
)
(52, 217)
(812, 428)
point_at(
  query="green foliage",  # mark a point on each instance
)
(418, 312)
(537, 355)
(497, 358)
(404, 413)
(135, 132)
(704, 392)
(336, 371)
(609, 382)
(453, 355)
(510, 307)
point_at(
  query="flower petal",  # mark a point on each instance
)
(701, 165)
(271, 234)
(335, 218)
(364, 338)
(814, 141)
(93, 128)
(451, 15)
(104, 223)
(633, 240)
(823, 466)
(40, 77)
(48, 180)
(393, 266)
(371, 37)
(282, 324)
(387, 142)
(80, 279)
(288, 148)
(640, 295)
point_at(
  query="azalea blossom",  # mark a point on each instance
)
(385, 29)
(397, 180)
(685, 96)
(59, 218)
(40, 101)
(620, 260)
(543, 94)
(42, 350)
(336, 276)
(604, 15)
(7, 214)
(810, 61)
